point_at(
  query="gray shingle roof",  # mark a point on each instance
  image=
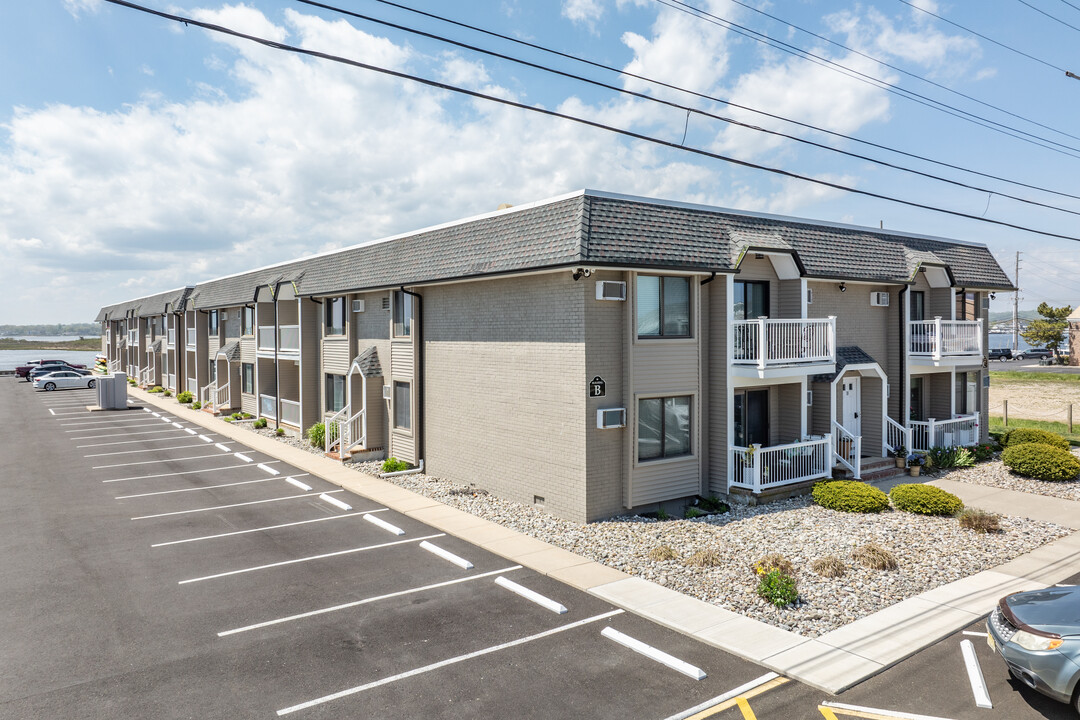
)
(145, 306)
(231, 351)
(845, 355)
(599, 229)
(154, 347)
(368, 362)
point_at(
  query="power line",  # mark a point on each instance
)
(1074, 7)
(683, 108)
(1052, 17)
(713, 98)
(870, 79)
(572, 118)
(984, 37)
(898, 69)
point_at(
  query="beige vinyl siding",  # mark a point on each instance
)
(402, 369)
(310, 363)
(788, 418)
(335, 355)
(247, 349)
(402, 360)
(714, 300)
(820, 421)
(662, 480)
(506, 387)
(939, 391)
(789, 293)
(249, 404)
(871, 416)
(605, 357)
(376, 413)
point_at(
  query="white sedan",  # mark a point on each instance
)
(63, 379)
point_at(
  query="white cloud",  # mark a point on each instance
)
(78, 7)
(586, 12)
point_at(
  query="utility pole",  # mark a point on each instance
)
(1016, 306)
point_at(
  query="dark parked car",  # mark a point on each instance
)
(23, 371)
(56, 367)
(1037, 634)
(1001, 354)
(1034, 353)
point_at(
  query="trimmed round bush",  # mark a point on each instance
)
(1042, 462)
(185, 396)
(1023, 436)
(849, 496)
(925, 500)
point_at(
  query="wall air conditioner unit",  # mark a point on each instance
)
(986, 303)
(385, 392)
(386, 303)
(357, 306)
(609, 418)
(809, 296)
(224, 316)
(610, 290)
(879, 299)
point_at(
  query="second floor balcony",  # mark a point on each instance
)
(288, 340)
(772, 347)
(940, 341)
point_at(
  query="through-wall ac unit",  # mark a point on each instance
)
(809, 296)
(358, 306)
(385, 392)
(608, 418)
(986, 303)
(386, 303)
(610, 290)
(879, 299)
(224, 315)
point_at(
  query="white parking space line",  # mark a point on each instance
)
(384, 525)
(123, 434)
(193, 489)
(222, 448)
(242, 456)
(365, 601)
(447, 555)
(334, 501)
(165, 419)
(156, 414)
(51, 411)
(652, 653)
(445, 663)
(154, 462)
(972, 633)
(265, 468)
(881, 713)
(323, 556)
(206, 439)
(189, 431)
(145, 450)
(975, 675)
(303, 486)
(733, 693)
(268, 527)
(97, 420)
(224, 507)
(146, 409)
(178, 425)
(185, 472)
(111, 427)
(130, 442)
(531, 595)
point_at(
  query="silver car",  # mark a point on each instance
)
(63, 379)
(1037, 634)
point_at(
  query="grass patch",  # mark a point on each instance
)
(996, 425)
(1012, 377)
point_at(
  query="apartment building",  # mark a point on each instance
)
(595, 353)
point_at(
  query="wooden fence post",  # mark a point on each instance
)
(1070, 419)
(1005, 415)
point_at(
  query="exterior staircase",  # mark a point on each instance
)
(873, 469)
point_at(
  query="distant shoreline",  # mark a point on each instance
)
(35, 345)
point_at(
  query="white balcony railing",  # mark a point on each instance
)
(172, 337)
(290, 412)
(963, 430)
(939, 338)
(268, 406)
(766, 343)
(265, 338)
(289, 339)
(191, 338)
(758, 468)
(170, 381)
(192, 386)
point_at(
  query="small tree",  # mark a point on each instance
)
(1049, 330)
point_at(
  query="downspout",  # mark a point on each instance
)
(709, 280)
(277, 366)
(903, 357)
(418, 374)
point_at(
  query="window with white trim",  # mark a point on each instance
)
(402, 406)
(664, 427)
(663, 306)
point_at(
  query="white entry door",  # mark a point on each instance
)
(851, 406)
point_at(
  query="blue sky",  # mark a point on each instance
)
(137, 154)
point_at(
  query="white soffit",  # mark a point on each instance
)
(936, 277)
(784, 266)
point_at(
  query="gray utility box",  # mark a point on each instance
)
(112, 392)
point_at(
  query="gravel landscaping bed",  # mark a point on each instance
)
(995, 474)
(931, 551)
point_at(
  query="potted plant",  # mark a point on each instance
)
(900, 455)
(915, 461)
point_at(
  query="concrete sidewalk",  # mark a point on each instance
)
(832, 663)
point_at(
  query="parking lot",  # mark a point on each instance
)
(155, 569)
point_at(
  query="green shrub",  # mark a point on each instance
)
(259, 424)
(692, 512)
(1024, 436)
(979, 520)
(778, 588)
(713, 504)
(185, 396)
(1042, 462)
(849, 496)
(236, 416)
(196, 405)
(316, 435)
(985, 451)
(157, 389)
(229, 419)
(166, 393)
(279, 432)
(925, 500)
(942, 457)
(772, 561)
(246, 415)
(392, 464)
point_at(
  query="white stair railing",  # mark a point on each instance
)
(848, 449)
(332, 435)
(221, 396)
(896, 435)
(206, 394)
(355, 431)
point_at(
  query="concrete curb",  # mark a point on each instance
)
(832, 663)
